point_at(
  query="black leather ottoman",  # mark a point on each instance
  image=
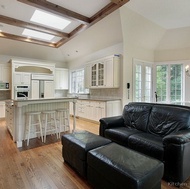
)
(117, 167)
(75, 148)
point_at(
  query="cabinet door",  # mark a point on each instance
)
(61, 79)
(101, 74)
(99, 110)
(35, 89)
(22, 78)
(94, 75)
(49, 89)
(6, 74)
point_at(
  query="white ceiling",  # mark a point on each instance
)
(172, 15)
(169, 14)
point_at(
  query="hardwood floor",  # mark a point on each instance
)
(41, 166)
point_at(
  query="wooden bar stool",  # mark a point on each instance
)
(49, 123)
(33, 125)
(63, 120)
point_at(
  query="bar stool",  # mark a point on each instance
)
(49, 122)
(33, 125)
(63, 119)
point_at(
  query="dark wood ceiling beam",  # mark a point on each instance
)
(22, 24)
(111, 7)
(24, 39)
(74, 33)
(56, 9)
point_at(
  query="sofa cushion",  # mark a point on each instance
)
(147, 144)
(120, 135)
(164, 119)
(136, 116)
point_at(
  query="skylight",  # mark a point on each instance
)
(36, 34)
(50, 20)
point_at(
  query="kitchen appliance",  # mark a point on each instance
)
(42, 86)
(4, 86)
(22, 92)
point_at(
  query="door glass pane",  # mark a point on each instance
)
(138, 83)
(175, 83)
(148, 81)
(161, 85)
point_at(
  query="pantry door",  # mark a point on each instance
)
(142, 81)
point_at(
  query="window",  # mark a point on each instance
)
(169, 83)
(77, 81)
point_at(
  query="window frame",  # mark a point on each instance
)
(183, 63)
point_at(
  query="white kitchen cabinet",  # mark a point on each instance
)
(5, 73)
(95, 110)
(61, 79)
(2, 109)
(49, 89)
(103, 73)
(35, 90)
(21, 78)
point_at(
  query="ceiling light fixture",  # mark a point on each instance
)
(50, 20)
(36, 34)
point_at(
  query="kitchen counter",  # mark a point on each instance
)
(19, 108)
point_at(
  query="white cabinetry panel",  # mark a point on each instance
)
(35, 89)
(48, 89)
(22, 78)
(2, 109)
(5, 73)
(61, 79)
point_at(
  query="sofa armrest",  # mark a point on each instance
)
(110, 122)
(176, 156)
(181, 137)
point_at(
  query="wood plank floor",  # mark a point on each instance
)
(41, 166)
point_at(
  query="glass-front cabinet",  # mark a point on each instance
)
(98, 74)
(103, 73)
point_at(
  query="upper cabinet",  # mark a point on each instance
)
(103, 73)
(61, 79)
(21, 78)
(5, 73)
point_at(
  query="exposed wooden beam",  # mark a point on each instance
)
(74, 33)
(111, 7)
(56, 9)
(19, 23)
(23, 39)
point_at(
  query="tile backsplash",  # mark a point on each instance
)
(5, 95)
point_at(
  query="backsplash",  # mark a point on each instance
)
(106, 93)
(5, 95)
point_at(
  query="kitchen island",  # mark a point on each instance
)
(17, 109)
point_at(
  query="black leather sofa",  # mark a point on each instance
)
(161, 131)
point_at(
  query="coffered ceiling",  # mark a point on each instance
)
(15, 16)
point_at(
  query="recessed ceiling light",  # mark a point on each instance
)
(50, 20)
(36, 34)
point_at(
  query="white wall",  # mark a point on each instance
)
(140, 37)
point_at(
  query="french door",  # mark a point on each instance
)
(142, 81)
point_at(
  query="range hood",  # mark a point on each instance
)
(46, 77)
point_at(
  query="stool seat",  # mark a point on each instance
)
(49, 122)
(31, 123)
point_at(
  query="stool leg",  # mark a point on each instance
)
(40, 123)
(45, 128)
(29, 125)
(55, 124)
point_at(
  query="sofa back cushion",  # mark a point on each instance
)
(166, 119)
(136, 115)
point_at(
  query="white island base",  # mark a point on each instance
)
(21, 107)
